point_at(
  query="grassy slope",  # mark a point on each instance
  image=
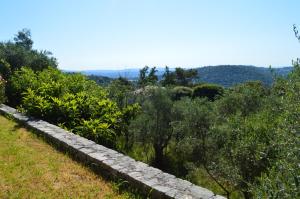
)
(30, 168)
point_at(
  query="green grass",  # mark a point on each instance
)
(30, 168)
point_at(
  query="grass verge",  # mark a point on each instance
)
(30, 168)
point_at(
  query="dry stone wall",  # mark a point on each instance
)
(147, 179)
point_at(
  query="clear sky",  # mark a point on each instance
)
(118, 34)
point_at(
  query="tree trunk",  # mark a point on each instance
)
(159, 157)
(128, 145)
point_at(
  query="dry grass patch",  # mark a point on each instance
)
(30, 168)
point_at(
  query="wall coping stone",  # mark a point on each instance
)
(107, 161)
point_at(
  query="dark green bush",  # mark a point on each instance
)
(95, 129)
(179, 92)
(243, 99)
(2, 90)
(210, 91)
(19, 82)
(94, 118)
(5, 69)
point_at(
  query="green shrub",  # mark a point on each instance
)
(95, 129)
(69, 100)
(210, 91)
(5, 69)
(242, 99)
(18, 83)
(2, 90)
(94, 118)
(179, 92)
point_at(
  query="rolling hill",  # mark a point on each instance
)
(229, 75)
(225, 75)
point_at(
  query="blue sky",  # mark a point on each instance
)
(114, 34)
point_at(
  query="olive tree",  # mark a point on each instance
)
(153, 125)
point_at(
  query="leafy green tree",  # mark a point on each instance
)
(193, 120)
(14, 55)
(129, 113)
(120, 90)
(23, 39)
(143, 76)
(152, 77)
(246, 148)
(168, 78)
(20, 53)
(185, 77)
(152, 127)
(282, 178)
(41, 60)
(257, 138)
(147, 77)
(179, 77)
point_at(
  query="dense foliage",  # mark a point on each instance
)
(246, 138)
(179, 92)
(69, 100)
(2, 90)
(210, 91)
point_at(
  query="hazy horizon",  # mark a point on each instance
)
(161, 67)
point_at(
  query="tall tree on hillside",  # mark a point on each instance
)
(143, 76)
(120, 90)
(168, 77)
(185, 77)
(19, 53)
(147, 77)
(152, 77)
(23, 38)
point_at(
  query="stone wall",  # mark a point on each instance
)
(149, 180)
